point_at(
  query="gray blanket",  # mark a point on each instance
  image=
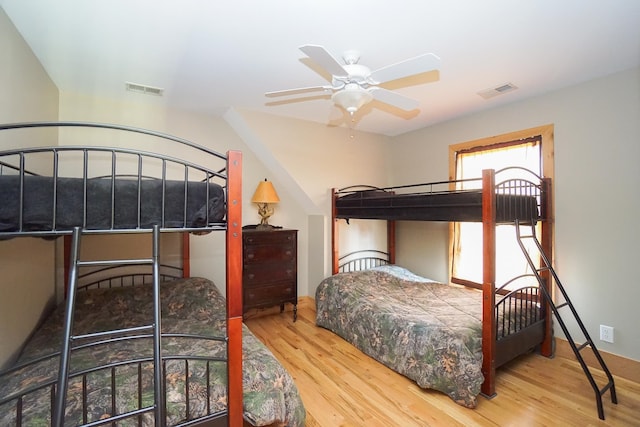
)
(107, 206)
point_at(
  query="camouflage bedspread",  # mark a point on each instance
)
(427, 331)
(188, 306)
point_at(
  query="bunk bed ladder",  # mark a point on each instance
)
(68, 339)
(577, 348)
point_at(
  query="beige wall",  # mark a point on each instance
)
(597, 146)
(27, 286)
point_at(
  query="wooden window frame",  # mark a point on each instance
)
(546, 133)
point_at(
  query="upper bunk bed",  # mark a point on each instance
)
(450, 201)
(497, 197)
(49, 190)
(92, 187)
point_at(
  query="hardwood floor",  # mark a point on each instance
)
(341, 386)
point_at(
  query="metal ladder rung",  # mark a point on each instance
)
(564, 304)
(583, 345)
(606, 387)
(114, 262)
(113, 332)
(528, 236)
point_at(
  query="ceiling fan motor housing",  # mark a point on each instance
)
(356, 73)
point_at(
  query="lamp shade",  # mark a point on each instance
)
(265, 193)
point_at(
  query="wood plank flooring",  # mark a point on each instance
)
(341, 386)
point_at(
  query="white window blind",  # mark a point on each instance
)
(467, 241)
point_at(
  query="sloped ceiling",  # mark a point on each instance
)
(211, 55)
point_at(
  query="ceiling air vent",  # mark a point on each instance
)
(498, 90)
(147, 90)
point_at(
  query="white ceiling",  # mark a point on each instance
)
(211, 55)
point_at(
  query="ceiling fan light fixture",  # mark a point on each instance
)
(353, 85)
(352, 97)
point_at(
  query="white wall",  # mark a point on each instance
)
(26, 286)
(597, 147)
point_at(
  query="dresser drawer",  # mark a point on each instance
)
(264, 273)
(269, 253)
(270, 295)
(270, 238)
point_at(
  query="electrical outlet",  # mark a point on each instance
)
(606, 333)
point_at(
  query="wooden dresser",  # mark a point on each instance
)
(269, 271)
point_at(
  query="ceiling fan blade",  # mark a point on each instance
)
(289, 101)
(324, 59)
(298, 91)
(419, 64)
(393, 98)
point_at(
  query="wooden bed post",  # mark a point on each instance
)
(546, 348)
(488, 282)
(234, 286)
(391, 241)
(334, 234)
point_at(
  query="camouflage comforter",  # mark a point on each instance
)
(188, 306)
(427, 331)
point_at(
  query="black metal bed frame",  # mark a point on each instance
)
(17, 162)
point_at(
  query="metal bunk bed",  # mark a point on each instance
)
(496, 202)
(517, 201)
(121, 190)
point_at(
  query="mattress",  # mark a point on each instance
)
(462, 206)
(121, 204)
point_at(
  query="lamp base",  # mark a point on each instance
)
(262, 227)
(266, 227)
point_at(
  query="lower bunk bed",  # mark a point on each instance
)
(427, 331)
(116, 376)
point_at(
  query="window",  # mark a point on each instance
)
(467, 160)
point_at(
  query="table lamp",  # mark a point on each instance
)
(265, 195)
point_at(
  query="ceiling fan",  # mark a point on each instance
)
(354, 85)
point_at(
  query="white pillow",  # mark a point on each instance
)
(402, 273)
